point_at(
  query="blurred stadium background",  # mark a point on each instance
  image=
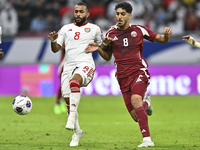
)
(29, 67)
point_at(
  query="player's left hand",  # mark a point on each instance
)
(167, 31)
(91, 47)
(1, 54)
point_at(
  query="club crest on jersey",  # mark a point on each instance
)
(133, 34)
(87, 30)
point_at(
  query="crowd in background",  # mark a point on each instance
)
(34, 17)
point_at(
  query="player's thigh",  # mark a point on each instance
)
(139, 84)
(139, 88)
(86, 72)
(127, 100)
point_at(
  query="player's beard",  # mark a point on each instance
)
(122, 24)
(81, 22)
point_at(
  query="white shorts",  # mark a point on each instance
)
(86, 72)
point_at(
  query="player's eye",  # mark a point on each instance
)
(123, 14)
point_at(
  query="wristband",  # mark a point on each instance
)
(54, 41)
(105, 44)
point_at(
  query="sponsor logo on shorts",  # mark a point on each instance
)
(138, 80)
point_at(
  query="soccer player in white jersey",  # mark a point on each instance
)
(79, 66)
(191, 41)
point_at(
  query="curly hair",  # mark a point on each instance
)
(124, 5)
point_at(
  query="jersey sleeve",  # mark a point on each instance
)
(147, 33)
(61, 36)
(99, 36)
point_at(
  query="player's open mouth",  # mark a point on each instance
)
(78, 19)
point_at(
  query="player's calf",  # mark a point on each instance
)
(74, 101)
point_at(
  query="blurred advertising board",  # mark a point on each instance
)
(42, 80)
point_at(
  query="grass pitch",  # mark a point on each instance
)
(107, 125)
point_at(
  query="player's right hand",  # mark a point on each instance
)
(188, 37)
(107, 40)
(52, 35)
(167, 31)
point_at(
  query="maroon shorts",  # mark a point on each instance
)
(135, 84)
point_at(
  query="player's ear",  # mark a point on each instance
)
(130, 15)
(88, 14)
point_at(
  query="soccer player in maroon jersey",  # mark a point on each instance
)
(125, 42)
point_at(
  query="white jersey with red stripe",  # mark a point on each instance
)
(76, 39)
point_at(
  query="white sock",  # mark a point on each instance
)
(77, 127)
(147, 138)
(74, 102)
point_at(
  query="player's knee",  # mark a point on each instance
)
(74, 86)
(136, 101)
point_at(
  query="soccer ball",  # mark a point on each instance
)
(22, 105)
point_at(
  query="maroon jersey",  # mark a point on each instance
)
(127, 48)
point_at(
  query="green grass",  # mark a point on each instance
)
(107, 125)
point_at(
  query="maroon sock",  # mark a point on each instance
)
(143, 121)
(144, 105)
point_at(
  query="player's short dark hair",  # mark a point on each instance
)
(82, 3)
(124, 5)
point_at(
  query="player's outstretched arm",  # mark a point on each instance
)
(165, 37)
(53, 37)
(107, 55)
(103, 49)
(189, 39)
(1, 54)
